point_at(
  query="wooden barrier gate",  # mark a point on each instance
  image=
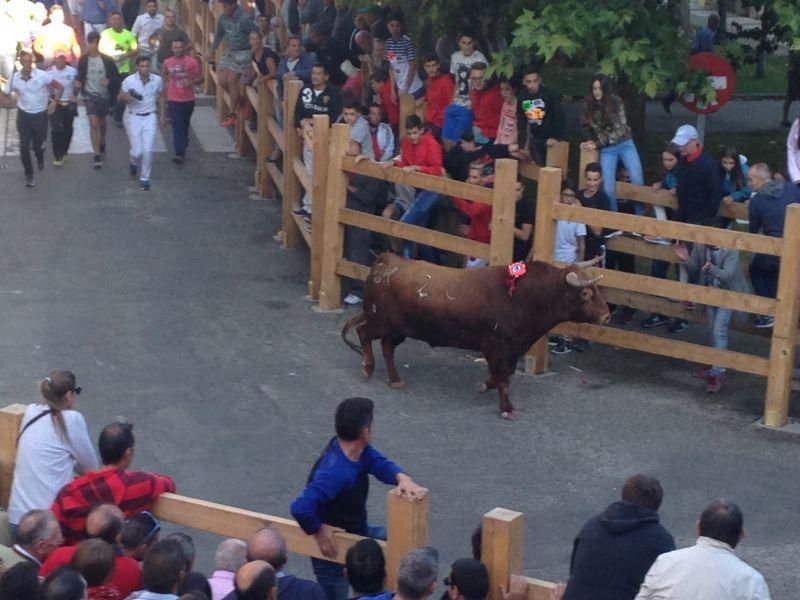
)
(407, 523)
(784, 308)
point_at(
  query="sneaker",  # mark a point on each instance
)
(678, 326)
(145, 185)
(688, 305)
(98, 161)
(351, 300)
(177, 159)
(785, 123)
(301, 212)
(654, 320)
(702, 373)
(133, 169)
(623, 315)
(229, 122)
(714, 384)
(553, 340)
(764, 322)
(654, 239)
(560, 348)
(58, 163)
(103, 149)
(40, 163)
(29, 181)
(580, 345)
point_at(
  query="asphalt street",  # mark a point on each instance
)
(178, 310)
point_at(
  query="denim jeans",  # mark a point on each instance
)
(610, 156)
(418, 214)
(330, 575)
(718, 321)
(180, 113)
(764, 272)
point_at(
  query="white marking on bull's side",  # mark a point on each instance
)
(422, 293)
(447, 290)
(385, 274)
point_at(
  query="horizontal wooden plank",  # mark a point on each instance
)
(639, 247)
(276, 132)
(304, 228)
(230, 521)
(684, 291)
(302, 174)
(251, 135)
(735, 210)
(647, 195)
(697, 353)
(538, 589)
(252, 96)
(276, 175)
(529, 170)
(670, 229)
(442, 185)
(413, 233)
(352, 270)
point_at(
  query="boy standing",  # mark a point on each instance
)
(438, 93)
(593, 196)
(541, 116)
(458, 116)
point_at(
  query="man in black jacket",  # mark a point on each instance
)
(540, 114)
(615, 549)
(99, 82)
(699, 184)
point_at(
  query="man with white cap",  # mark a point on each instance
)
(141, 92)
(699, 187)
(66, 108)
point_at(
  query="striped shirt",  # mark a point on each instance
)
(400, 53)
(132, 491)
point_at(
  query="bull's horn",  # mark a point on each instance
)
(574, 280)
(587, 263)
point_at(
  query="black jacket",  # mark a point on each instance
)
(294, 588)
(541, 115)
(614, 551)
(768, 207)
(310, 103)
(699, 190)
(112, 74)
(457, 162)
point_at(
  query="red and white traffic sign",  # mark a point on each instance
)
(722, 77)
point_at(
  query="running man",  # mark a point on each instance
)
(180, 72)
(120, 44)
(141, 91)
(66, 108)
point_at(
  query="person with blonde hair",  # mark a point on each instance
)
(53, 442)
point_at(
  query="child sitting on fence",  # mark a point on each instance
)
(717, 267)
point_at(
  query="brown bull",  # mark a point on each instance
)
(470, 309)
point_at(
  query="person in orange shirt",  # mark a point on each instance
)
(55, 37)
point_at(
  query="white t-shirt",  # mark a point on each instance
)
(567, 234)
(33, 94)
(65, 77)
(144, 27)
(459, 67)
(46, 461)
(148, 91)
(400, 53)
(359, 133)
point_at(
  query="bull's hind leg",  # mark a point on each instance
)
(500, 370)
(388, 344)
(365, 336)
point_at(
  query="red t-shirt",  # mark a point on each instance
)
(182, 73)
(480, 215)
(127, 577)
(426, 154)
(487, 104)
(390, 108)
(438, 95)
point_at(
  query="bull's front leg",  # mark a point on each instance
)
(500, 370)
(388, 344)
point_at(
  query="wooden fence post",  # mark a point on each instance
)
(543, 241)
(209, 27)
(558, 156)
(408, 106)
(406, 528)
(293, 148)
(784, 332)
(330, 291)
(319, 178)
(266, 145)
(10, 420)
(586, 157)
(504, 203)
(501, 547)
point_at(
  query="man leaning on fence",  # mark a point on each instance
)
(336, 493)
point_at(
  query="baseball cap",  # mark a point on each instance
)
(470, 577)
(684, 135)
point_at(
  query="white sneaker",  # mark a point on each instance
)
(351, 300)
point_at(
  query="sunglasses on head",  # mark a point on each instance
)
(77, 390)
(156, 527)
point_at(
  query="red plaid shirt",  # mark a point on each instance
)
(132, 491)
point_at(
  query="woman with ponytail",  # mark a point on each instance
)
(53, 443)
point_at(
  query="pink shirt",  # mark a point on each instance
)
(507, 128)
(221, 582)
(182, 73)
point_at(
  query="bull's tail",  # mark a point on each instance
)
(356, 321)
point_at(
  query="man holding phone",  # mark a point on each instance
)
(141, 92)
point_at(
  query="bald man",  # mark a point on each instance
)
(254, 581)
(37, 536)
(104, 522)
(268, 545)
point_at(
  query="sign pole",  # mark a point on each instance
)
(701, 128)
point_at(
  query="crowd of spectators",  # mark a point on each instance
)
(95, 538)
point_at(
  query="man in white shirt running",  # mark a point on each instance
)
(144, 28)
(32, 88)
(709, 570)
(141, 91)
(66, 108)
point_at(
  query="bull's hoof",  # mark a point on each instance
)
(510, 415)
(485, 387)
(367, 370)
(398, 385)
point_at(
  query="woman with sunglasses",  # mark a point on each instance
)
(53, 442)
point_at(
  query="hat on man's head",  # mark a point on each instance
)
(471, 578)
(684, 135)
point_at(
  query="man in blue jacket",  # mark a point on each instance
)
(615, 549)
(767, 214)
(336, 492)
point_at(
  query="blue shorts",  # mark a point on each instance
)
(457, 119)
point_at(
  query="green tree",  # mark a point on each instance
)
(641, 44)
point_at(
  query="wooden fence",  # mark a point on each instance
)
(653, 294)
(407, 523)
